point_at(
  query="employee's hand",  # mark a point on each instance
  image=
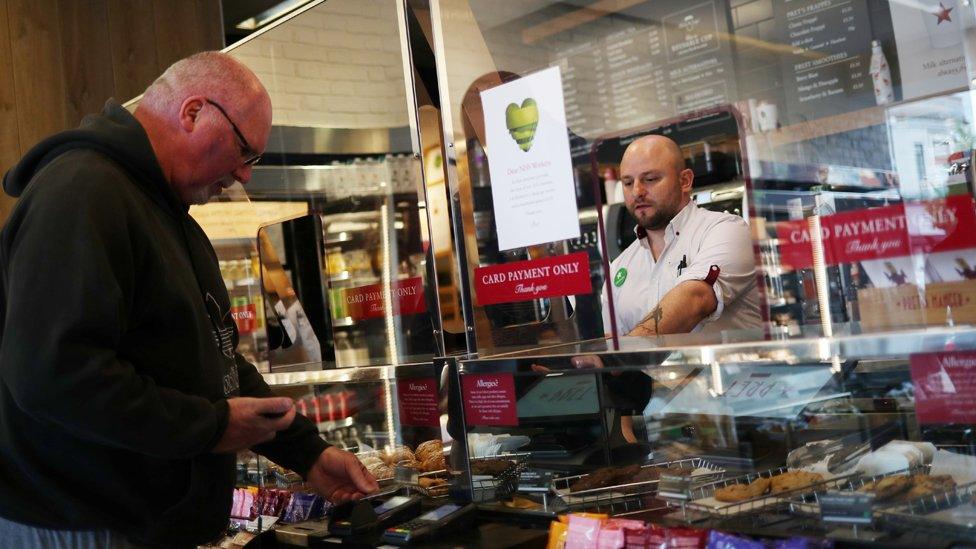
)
(252, 421)
(340, 477)
(585, 362)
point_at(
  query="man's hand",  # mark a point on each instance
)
(252, 421)
(340, 477)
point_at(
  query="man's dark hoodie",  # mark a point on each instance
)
(117, 348)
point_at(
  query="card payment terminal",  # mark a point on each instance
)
(438, 521)
(372, 515)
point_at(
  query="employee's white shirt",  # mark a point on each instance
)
(702, 238)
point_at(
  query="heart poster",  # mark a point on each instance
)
(529, 162)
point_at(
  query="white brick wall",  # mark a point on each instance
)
(338, 66)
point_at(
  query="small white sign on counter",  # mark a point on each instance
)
(532, 184)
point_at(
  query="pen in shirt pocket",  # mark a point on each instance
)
(683, 264)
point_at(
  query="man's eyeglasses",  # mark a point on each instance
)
(251, 157)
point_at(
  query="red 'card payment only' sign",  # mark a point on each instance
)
(489, 399)
(524, 280)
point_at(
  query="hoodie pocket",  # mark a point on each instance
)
(202, 512)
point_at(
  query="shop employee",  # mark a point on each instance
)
(690, 269)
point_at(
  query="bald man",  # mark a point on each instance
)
(122, 398)
(690, 269)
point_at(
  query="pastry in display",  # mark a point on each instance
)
(380, 470)
(492, 467)
(887, 488)
(410, 464)
(925, 485)
(430, 482)
(607, 476)
(433, 463)
(429, 449)
(520, 502)
(397, 455)
(793, 480)
(742, 492)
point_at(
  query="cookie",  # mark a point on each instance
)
(925, 485)
(793, 480)
(742, 492)
(887, 487)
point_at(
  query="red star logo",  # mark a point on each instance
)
(943, 14)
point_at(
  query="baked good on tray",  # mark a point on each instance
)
(435, 462)
(429, 449)
(903, 488)
(887, 488)
(741, 492)
(492, 467)
(793, 480)
(607, 476)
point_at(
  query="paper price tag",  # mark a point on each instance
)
(847, 507)
(676, 487)
(535, 481)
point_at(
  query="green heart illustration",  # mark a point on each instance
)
(522, 121)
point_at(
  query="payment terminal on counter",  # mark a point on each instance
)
(439, 521)
(373, 514)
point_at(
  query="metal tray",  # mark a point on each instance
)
(609, 495)
(915, 515)
(501, 486)
(702, 500)
(808, 503)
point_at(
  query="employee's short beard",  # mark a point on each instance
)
(658, 221)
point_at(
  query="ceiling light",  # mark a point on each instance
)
(270, 14)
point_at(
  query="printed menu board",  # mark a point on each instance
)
(829, 66)
(658, 60)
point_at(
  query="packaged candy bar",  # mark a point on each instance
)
(299, 507)
(248, 510)
(686, 538)
(583, 531)
(237, 505)
(612, 534)
(635, 538)
(721, 540)
(557, 534)
(647, 536)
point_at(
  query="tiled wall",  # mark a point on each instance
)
(338, 65)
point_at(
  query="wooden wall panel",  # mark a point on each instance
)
(86, 57)
(35, 44)
(212, 25)
(9, 136)
(132, 30)
(177, 30)
(61, 59)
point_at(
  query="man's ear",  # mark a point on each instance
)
(687, 179)
(190, 112)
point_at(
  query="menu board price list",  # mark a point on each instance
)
(672, 63)
(831, 48)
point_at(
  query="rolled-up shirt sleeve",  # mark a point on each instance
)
(727, 245)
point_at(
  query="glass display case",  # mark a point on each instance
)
(775, 439)
(452, 175)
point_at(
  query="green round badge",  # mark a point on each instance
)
(620, 277)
